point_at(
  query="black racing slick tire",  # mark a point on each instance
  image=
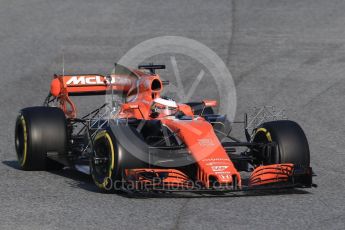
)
(291, 145)
(40, 130)
(105, 165)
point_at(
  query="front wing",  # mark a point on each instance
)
(263, 178)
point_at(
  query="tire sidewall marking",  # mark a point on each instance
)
(24, 157)
(106, 180)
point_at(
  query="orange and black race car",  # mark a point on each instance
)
(146, 142)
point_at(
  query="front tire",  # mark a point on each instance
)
(291, 143)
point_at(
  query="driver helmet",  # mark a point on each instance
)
(164, 106)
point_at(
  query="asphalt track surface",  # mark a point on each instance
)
(285, 53)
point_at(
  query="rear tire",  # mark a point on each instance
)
(40, 130)
(292, 145)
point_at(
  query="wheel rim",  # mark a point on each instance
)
(103, 162)
(264, 137)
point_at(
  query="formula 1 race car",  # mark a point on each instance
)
(147, 142)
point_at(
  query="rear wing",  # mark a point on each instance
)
(122, 81)
(90, 84)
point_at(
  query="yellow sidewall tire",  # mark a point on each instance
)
(106, 183)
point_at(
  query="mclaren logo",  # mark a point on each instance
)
(96, 80)
(86, 80)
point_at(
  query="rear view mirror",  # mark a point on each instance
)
(210, 103)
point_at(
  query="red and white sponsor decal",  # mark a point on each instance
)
(219, 168)
(221, 173)
(226, 176)
(205, 142)
(216, 159)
